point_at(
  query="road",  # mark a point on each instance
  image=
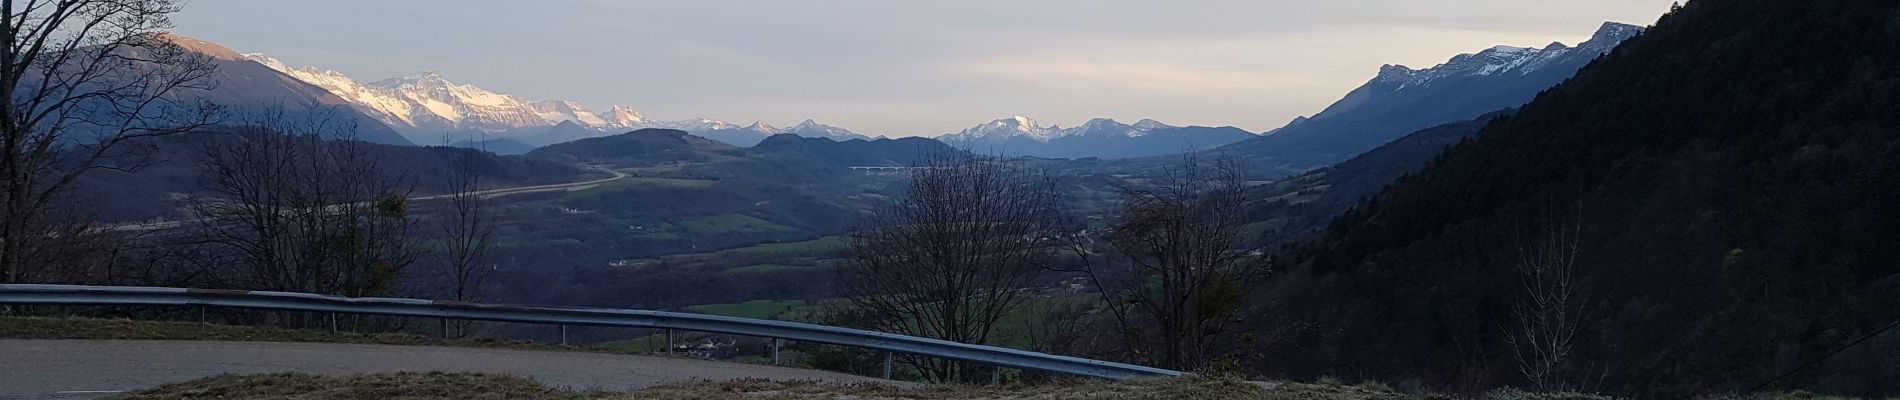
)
(491, 193)
(558, 187)
(79, 369)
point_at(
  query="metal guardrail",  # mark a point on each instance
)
(287, 301)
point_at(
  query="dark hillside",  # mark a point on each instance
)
(1295, 208)
(1735, 178)
(638, 148)
(852, 153)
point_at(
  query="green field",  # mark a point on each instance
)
(770, 268)
(664, 182)
(729, 224)
(809, 256)
(756, 309)
(824, 246)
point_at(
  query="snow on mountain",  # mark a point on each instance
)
(1020, 127)
(691, 125)
(1005, 129)
(813, 129)
(426, 104)
(1506, 60)
(370, 100)
(1401, 100)
(625, 117)
(1110, 127)
(555, 111)
(1148, 125)
(1099, 137)
(762, 127)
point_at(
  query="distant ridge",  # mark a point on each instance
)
(1401, 100)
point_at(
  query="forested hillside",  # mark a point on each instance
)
(1294, 208)
(1720, 197)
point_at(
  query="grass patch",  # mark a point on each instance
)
(120, 329)
(1080, 390)
(809, 255)
(444, 386)
(377, 386)
(756, 309)
(664, 182)
(729, 224)
(770, 268)
(824, 246)
(431, 386)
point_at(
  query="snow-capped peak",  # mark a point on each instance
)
(811, 128)
(1148, 125)
(623, 117)
(427, 103)
(693, 125)
(762, 127)
(1502, 60)
(273, 63)
(1005, 128)
(557, 111)
(1611, 34)
(1106, 126)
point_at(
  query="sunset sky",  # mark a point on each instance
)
(905, 68)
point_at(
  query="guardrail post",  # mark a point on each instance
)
(333, 323)
(996, 375)
(669, 342)
(445, 327)
(201, 315)
(775, 351)
(563, 335)
(887, 364)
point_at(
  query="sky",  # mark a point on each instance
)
(904, 68)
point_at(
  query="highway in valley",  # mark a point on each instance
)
(490, 193)
(81, 369)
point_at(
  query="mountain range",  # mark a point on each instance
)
(1401, 100)
(1100, 137)
(426, 105)
(428, 108)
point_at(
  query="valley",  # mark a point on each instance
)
(1697, 207)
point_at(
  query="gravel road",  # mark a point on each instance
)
(76, 369)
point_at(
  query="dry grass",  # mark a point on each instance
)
(120, 329)
(406, 386)
(479, 386)
(1133, 390)
(445, 386)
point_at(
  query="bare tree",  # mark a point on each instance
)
(1183, 271)
(467, 227)
(81, 79)
(1549, 309)
(293, 211)
(953, 255)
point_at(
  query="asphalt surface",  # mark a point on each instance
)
(78, 369)
(486, 194)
